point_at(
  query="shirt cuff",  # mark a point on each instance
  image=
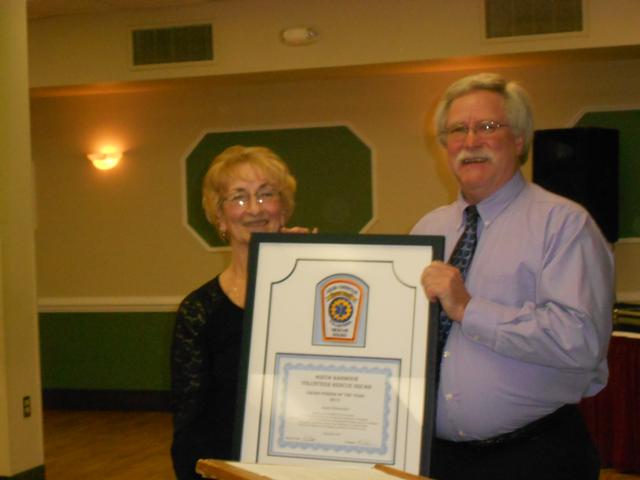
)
(480, 322)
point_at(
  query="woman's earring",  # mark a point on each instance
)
(223, 235)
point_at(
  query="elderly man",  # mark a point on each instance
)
(526, 301)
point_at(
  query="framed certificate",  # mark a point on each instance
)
(340, 353)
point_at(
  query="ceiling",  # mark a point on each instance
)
(54, 8)
(40, 9)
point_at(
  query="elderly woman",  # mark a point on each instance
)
(246, 190)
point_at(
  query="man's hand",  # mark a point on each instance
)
(444, 282)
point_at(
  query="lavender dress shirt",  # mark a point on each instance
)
(535, 334)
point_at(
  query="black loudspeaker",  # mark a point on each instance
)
(581, 164)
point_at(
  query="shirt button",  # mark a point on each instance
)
(461, 433)
(448, 396)
(446, 353)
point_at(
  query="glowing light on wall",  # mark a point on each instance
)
(106, 159)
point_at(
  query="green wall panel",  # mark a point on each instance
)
(627, 122)
(106, 351)
(332, 165)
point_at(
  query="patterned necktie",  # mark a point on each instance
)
(460, 258)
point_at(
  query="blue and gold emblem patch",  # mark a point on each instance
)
(340, 309)
(340, 312)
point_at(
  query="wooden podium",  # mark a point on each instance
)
(226, 470)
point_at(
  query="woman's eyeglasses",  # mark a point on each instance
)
(241, 198)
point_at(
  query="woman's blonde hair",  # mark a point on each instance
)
(224, 170)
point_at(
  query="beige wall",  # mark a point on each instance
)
(121, 234)
(89, 49)
(86, 219)
(20, 438)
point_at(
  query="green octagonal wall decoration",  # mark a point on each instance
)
(627, 122)
(332, 165)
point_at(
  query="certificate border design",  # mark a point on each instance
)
(387, 367)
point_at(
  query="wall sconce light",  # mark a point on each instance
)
(105, 160)
(296, 36)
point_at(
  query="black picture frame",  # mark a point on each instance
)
(265, 253)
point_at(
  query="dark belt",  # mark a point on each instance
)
(524, 433)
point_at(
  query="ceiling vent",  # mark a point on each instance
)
(188, 43)
(513, 18)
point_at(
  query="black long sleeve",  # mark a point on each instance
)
(204, 378)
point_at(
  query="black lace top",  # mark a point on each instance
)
(204, 377)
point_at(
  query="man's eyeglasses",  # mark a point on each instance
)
(242, 198)
(459, 131)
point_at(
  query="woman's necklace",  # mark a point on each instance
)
(236, 286)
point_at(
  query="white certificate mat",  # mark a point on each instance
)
(339, 359)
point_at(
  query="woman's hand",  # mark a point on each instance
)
(298, 230)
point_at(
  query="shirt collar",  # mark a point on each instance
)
(490, 208)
